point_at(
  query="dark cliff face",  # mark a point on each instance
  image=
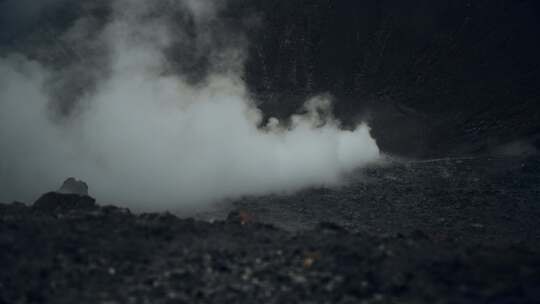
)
(433, 78)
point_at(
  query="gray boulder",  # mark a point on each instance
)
(74, 186)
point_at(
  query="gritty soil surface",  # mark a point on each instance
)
(490, 200)
(445, 231)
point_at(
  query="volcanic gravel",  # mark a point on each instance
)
(480, 200)
(443, 231)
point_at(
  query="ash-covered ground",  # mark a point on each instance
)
(479, 199)
(441, 231)
(156, 103)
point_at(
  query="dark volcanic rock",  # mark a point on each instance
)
(440, 231)
(159, 258)
(471, 200)
(54, 202)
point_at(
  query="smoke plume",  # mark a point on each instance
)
(149, 136)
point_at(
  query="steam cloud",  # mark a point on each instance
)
(148, 138)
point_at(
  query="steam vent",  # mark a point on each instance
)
(256, 151)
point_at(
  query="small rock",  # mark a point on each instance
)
(311, 258)
(56, 202)
(74, 186)
(240, 217)
(330, 227)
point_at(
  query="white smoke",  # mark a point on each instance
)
(149, 140)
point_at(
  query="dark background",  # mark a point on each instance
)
(432, 78)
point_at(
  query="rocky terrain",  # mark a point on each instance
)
(484, 199)
(441, 231)
(452, 84)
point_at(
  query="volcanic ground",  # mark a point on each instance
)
(431, 78)
(439, 231)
